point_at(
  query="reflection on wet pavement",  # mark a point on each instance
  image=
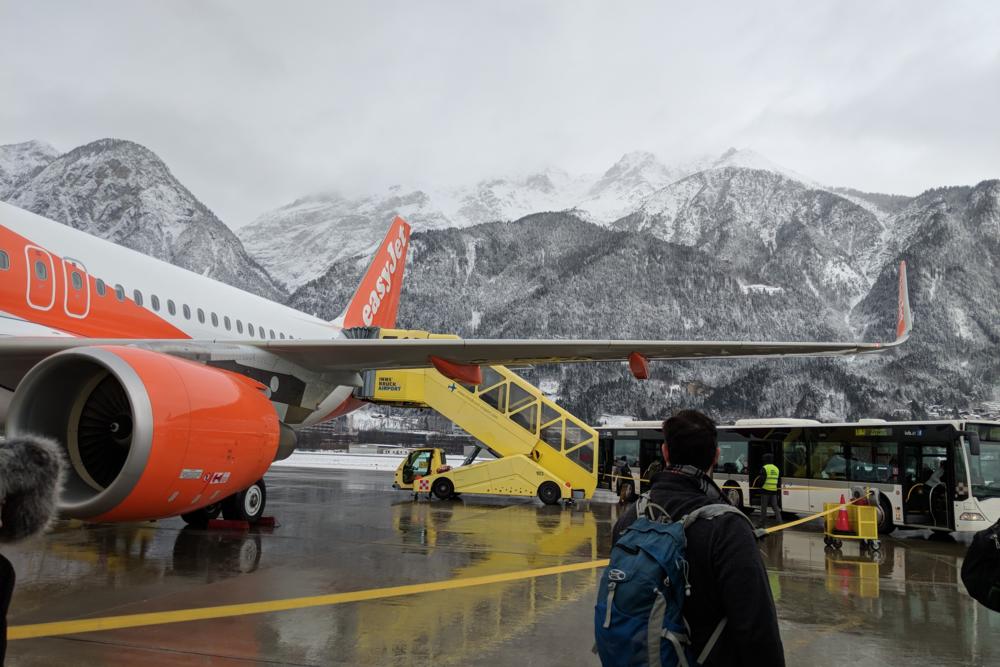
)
(343, 531)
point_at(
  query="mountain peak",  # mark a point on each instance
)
(20, 163)
(632, 161)
(746, 158)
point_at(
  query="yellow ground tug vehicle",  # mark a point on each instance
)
(540, 448)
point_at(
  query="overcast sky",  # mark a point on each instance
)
(253, 104)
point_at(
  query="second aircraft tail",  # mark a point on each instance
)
(376, 301)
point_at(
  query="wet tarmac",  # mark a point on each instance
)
(347, 531)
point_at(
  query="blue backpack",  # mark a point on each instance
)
(638, 619)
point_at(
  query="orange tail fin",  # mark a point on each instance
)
(376, 301)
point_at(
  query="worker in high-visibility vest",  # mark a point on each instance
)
(771, 477)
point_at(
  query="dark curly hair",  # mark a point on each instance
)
(691, 439)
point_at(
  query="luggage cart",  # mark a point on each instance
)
(863, 520)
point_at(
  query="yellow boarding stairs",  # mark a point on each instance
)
(540, 448)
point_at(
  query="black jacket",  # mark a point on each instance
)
(727, 576)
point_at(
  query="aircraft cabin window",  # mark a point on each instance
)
(119, 292)
(201, 315)
(239, 326)
(4, 260)
(225, 321)
(101, 288)
(187, 312)
(137, 297)
(272, 333)
(260, 330)
(215, 320)
(281, 335)
(77, 280)
(155, 302)
(171, 308)
(250, 329)
(41, 270)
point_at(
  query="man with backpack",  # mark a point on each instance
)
(683, 557)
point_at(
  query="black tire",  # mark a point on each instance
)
(885, 523)
(247, 505)
(200, 518)
(549, 493)
(443, 488)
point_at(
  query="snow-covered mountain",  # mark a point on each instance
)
(770, 229)
(20, 163)
(298, 242)
(122, 192)
(623, 187)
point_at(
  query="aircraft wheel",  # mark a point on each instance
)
(247, 505)
(443, 488)
(549, 493)
(200, 517)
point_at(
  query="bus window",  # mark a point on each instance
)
(871, 463)
(794, 456)
(985, 468)
(732, 457)
(628, 448)
(828, 461)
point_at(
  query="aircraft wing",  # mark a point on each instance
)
(388, 354)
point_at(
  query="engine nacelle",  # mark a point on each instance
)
(146, 435)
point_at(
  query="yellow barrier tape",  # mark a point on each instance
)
(78, 626)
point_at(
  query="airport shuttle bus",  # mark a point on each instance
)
(930, 474)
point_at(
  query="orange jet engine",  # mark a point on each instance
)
(146, 435)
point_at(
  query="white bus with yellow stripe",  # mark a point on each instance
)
(943, 474)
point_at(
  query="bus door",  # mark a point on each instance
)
(649, 451)
(759, 447)
(928, 485)
(605, 460)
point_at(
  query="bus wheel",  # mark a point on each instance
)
(549, 493)
(884, 512)
(734, 496)
(443, 488)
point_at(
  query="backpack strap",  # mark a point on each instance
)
(710, 644)
(718, 509)
(644, 507)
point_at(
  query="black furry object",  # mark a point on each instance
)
(31, 477)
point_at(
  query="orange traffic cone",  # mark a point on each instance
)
(843, 525)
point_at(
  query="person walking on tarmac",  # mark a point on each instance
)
(769, 490)
(727, 574)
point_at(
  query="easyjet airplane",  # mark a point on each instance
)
(173, 393)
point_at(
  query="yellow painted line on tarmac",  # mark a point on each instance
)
(223, 611)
